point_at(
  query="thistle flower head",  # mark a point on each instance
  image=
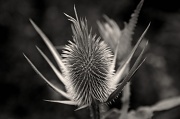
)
(88, 61)
(87, 66)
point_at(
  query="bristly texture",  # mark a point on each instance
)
(88, 61)
(87, 67)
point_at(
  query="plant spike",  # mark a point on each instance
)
(136, 65)
(49, 83)
(120, 71)
(133, 69)
(127, 78)
(81, 107)
(50, 46)
(67, 102)
(58, 74)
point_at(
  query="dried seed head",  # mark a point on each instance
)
(88, 61)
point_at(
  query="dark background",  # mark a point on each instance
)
(22, 91)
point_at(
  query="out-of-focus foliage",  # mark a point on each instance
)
(146, 112)
(113, 35)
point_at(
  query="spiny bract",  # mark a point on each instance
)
(87, 66)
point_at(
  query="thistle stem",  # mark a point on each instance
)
(94, 111)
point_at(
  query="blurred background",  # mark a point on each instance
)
(22, 91)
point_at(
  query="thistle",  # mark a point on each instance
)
(86, 67)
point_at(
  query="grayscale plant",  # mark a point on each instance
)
(112, 34)
(87, 67)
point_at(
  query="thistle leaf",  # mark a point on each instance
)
(67, 102)
(118, 76)
(58, 74)
(81, 107)
(136, 64)
(128, 31)
(166, 104)
(147, 111)
(132, 71)
(50, 46)
(127, 34)
(49, 83)
(142, 113)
